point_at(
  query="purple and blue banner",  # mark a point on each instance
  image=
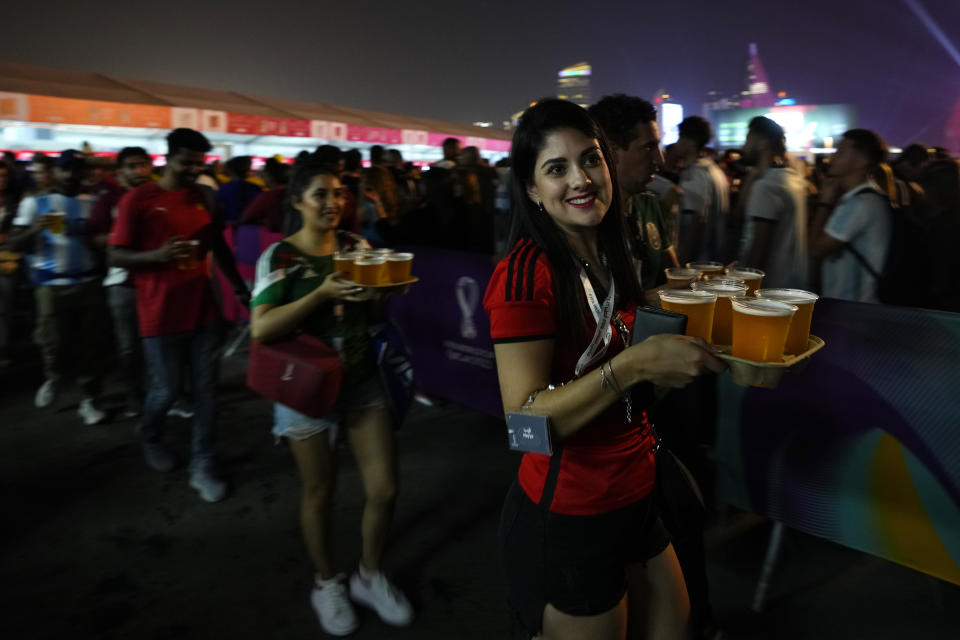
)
(446, 330)
(862, 447)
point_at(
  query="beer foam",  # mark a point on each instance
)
(686, 296)
(790, 296)
(746, 274)
(763, 307)
(725, 288)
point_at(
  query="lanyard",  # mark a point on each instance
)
(602, 314)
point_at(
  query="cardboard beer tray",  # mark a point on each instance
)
(390, 285)
(748, 373)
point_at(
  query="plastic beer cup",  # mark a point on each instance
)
(723, 315)
(398, 266)
(58, 219)
(190, 259)
(798, 338)
(680, 278)
(343, 262)
(707, 268)
(760, 327)
(752, 277)
(369, 270)
(698, 306)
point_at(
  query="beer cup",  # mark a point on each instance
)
(343, 262)
(698, 306)
(190, 257)
(680, 278)
(798, 337)
(752, 277)
(707, 268)
(369, 270)
(760, 327)
(398, 266)
(58, 218)
(722, 315)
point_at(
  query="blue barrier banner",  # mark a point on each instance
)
(862, 447)
(446, 330)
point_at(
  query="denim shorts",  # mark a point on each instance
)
(368, 394)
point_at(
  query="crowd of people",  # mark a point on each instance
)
(583, 217)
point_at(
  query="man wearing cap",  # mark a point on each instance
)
(53, 229)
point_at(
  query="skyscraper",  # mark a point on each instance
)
(757, 93)
(573, 84)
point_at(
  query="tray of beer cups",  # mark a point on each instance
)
(761, 336)
(770, 336)
(377, 269)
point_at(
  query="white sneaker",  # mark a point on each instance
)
(208, 485)
(333, 607)
(180, 411)
(89, 412)
(378, 594)
(45, 394)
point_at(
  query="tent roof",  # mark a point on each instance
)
(85, 85)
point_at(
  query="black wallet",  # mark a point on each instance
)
(650, 321)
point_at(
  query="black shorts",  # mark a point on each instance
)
(575, 563)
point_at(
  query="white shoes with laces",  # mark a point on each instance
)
(332, 604)
(375, 592)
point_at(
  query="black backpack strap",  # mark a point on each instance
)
(866, 191)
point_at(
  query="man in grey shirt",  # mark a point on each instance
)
(705, 203)
(853, 234)
(775, 226)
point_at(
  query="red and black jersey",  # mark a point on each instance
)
(609, 463)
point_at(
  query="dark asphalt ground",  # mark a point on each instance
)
(96, 545)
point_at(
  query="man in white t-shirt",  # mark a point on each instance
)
(775, 226)
(853, 234)
(705, 203)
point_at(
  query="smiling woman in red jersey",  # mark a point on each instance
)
(584, 552)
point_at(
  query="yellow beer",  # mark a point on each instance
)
(723, 315)
(679, 278)
(343, 262)
(57, 222)
(398, 266)
(799, 336)
(707, 268)
(760, 328)
(698, 306)
(752, 277)
(369, 270)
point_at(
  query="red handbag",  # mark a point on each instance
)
(301, 372)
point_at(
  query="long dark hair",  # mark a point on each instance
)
(527, 221)
(304, 171)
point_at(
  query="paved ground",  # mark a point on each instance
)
(95, 545)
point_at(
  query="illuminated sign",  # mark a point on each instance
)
(670, 116)
(805, 126)
(566, 73)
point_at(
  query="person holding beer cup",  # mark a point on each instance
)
(583, 549)
(298, 289)
(53, 228)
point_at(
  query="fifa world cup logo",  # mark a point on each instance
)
(468, 295)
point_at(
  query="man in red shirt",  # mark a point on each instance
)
(162, 234)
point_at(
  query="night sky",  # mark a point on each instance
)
(469, 61)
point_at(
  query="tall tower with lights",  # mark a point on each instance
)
(757, 93)
(573, 84)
